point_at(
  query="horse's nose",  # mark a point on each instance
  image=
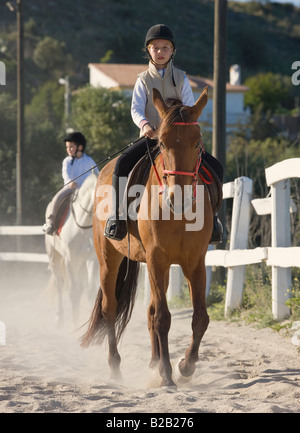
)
(177, 201)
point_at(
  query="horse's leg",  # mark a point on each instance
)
(153, 336)
(74, 280)
(197, 285)
(108, 279)
(109, 262)
(58, 274)
(159, 319)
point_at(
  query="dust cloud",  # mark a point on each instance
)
(43, 369)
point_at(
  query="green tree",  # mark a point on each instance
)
(49, 55)
(251, 149)
(272, 92)
(44, 148)
(103, 116)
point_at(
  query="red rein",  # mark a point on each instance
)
(187, 173)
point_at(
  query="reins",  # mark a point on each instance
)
(161, 186)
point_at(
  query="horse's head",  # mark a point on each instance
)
(179, 138)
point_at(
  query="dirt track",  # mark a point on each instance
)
(42, 369)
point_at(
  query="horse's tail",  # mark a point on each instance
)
(125, 294)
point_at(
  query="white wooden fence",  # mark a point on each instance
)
(280, 255)
(22, 231)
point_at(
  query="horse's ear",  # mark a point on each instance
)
(196, 110)
(159, 103)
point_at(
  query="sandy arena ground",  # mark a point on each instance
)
(44, 370)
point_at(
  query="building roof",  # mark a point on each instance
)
(200, 82)
(125, 75)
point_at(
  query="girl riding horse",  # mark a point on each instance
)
(172, 83)
(159, 243)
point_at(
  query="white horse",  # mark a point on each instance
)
(72, 258)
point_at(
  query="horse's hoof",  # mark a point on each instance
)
(116, 376)
(169, 388)
(168, 384)
(178, 377)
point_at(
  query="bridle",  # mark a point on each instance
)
(193, 174)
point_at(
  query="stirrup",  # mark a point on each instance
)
(115, 229)
(217, 233)
(49, 229)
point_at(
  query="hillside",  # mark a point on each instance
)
(261, 38)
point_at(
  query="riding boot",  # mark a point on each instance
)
(217, 232)
(115, 228)
(49, 227)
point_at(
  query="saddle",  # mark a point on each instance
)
(61, 215)
(139, 176)
(214, 188)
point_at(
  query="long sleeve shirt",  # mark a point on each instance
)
(80, 165)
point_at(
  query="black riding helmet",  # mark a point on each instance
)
(77, 138)
(159, 31)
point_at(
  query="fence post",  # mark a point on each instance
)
(281, 237)
(238, 240)
(175, 281)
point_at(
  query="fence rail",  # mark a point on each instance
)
(21, 230)
(18, 256)
(281, 256)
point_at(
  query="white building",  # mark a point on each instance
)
(123, 77)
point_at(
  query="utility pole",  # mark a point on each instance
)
(220, 78)
(20, 115)
(67, 96)
(219, 94)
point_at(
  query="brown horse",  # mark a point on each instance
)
(159, 243)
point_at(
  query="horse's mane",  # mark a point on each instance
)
(177, 112)
(89, 182)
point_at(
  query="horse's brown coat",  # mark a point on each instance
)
(159, 244)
